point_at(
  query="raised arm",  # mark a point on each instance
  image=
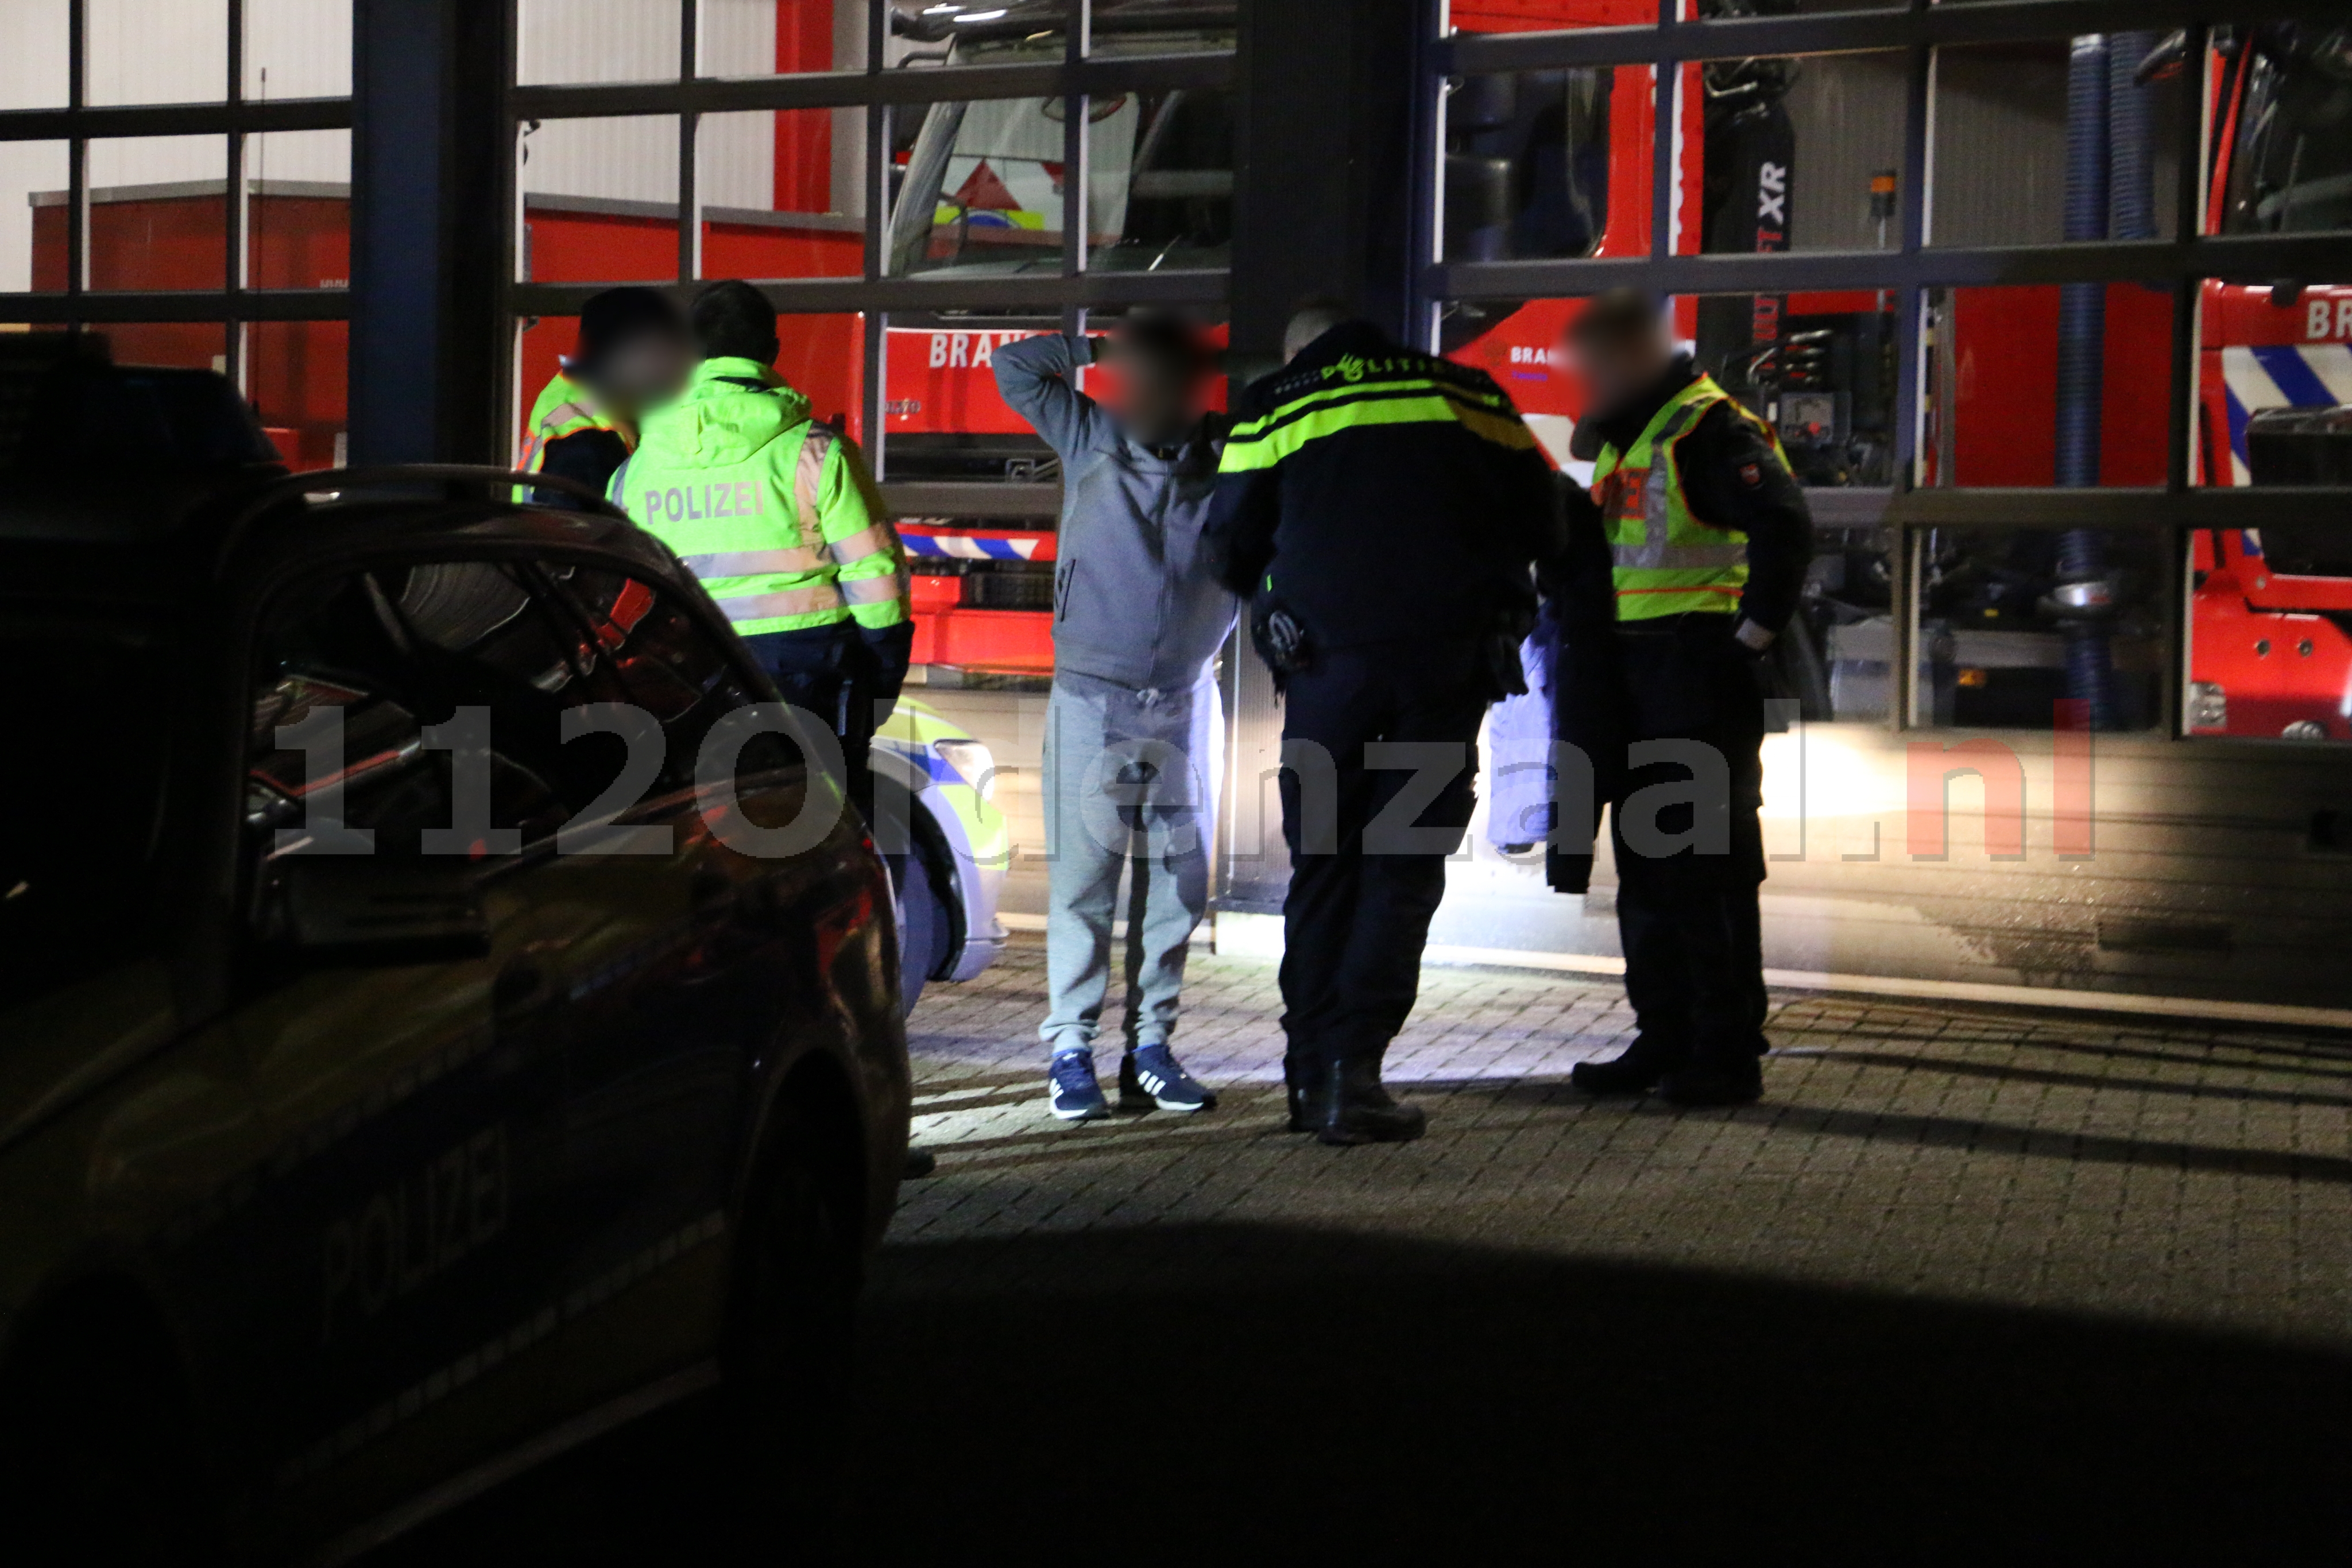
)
(1037, 377)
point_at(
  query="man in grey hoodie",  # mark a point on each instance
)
(1134, 732)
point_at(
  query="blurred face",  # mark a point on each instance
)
(1156, 396)
(641, 370)
(1615, 373)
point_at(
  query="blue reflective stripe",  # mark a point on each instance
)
(937, 768)
(2295, 377)
(2237, 425)
(999, 549)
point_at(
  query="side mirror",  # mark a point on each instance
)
(357, 909)
(1478, 207)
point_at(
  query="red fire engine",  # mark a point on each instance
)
(2272, 617)
(1550, 163)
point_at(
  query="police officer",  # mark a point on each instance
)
(1693, 545)
(1380, 508)
(633, 353)
(774, 511)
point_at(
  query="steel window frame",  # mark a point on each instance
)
(1918, 29)
(233, 118)
(1068, 292)
(1916, 25)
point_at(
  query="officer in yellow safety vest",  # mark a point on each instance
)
(776, 514)
(1682, 567)
(633, 353)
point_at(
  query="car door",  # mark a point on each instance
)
(410, 1227)
(704, 979)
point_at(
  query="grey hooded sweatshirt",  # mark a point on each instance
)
(1134, 599)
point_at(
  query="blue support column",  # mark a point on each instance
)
(431, 214)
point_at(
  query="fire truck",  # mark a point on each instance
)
(1558, 164)
(1551, 163)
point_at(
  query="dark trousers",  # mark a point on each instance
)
(832, 673)
(827, 671)
(1357, 912)
(1688, 920)
(840, 674)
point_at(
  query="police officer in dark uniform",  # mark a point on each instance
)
(1683, 566)
(1379, 509)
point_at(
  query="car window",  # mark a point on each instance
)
(2292, 157)
(81, 798)
(399, 657)
(363, 681)
(671, 666)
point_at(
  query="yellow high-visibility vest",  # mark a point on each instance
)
(565, 408)
(1665, 559)
(773, 511)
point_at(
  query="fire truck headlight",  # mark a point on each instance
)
(2209, 705)
(2304, 729)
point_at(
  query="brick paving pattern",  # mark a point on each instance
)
(1967, 1287)
(2175, 1174)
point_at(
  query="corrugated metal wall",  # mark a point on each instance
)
(1847, 112)
(165, 51)
(635, 158)
(2000, 146)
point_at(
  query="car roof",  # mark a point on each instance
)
(127, 486)
(138, 571)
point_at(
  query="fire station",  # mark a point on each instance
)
(2045, 304)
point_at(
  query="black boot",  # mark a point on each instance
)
(1714, 1079)
(1352, 1108)
(1635, 1071)
(1302, 1078)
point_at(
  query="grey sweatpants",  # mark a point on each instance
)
(1132, 780)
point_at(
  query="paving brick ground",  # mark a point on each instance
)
(1967, 1287)
(2058, 1161)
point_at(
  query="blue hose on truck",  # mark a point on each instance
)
(2108, 192)
(2131, 140)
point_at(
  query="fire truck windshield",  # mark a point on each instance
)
(979, 184)
(2292, 165)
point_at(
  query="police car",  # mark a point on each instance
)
(442, 1014)
(951, 869)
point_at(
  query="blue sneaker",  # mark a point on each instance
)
(1152, 1076)
(1071, 1091)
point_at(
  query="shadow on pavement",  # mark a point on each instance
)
(1242, 1393)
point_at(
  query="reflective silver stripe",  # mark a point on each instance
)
(872, 590)
(807, 473)
(755, 562)
(535, 446)
(871, 539)
(791, 601)
(1656, 553)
